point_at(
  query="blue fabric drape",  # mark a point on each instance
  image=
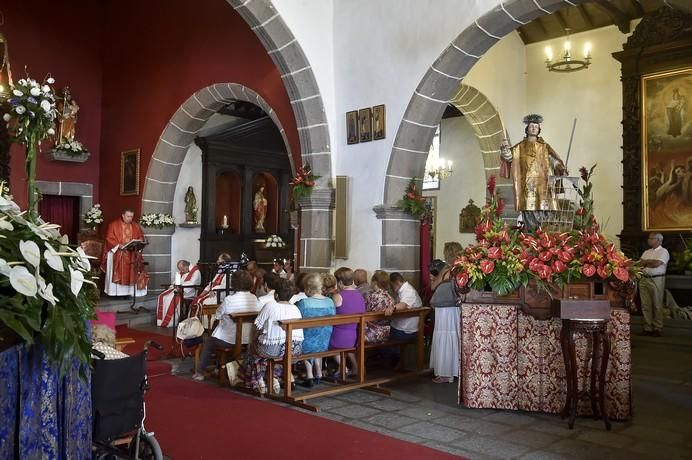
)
(44, 416)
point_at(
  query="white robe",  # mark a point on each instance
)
(115, 289)
(168, 305)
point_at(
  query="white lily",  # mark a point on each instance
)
(4, 267)
(47, 294)
(17, 93)
(45, 105)
(83, 260)
(30, 252)
(34, 91)
(76, 281)
(23, 281)
(5, 225)
(53, 259)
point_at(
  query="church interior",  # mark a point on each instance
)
(498, 194)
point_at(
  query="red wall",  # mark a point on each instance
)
(156, 54)
(63, 38)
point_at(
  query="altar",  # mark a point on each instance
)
(510, 360)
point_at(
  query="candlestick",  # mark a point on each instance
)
(225, 221)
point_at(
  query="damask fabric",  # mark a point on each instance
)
(510, 360)
(54, 412)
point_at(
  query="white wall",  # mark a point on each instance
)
(594, 97)
(185, 241)
(457, 143)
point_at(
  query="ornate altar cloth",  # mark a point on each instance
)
(510, 360)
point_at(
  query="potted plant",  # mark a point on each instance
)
(68, 150)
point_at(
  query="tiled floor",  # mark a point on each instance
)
(425, 413)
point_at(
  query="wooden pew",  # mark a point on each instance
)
(229, 353)
(342, 386)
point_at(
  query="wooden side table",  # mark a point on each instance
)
(594, 324)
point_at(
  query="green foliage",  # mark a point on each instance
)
(412, 201)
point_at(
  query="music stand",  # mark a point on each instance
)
(135, 246)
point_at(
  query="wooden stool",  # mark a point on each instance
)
(596, 331)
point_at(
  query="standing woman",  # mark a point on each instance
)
(444, 353)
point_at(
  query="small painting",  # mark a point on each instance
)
(378, 122)
(352, 127)
(667, 150)
(365, 119)
(129, 172)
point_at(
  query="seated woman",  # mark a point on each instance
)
(316, 338)
(269, 340)
(379, 299)
(348, 301)
(225, 333)
(329, 288)
(103, 340)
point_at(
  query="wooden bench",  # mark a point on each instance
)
(362, 381)
(225, 354)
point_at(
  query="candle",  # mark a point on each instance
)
(225, 221)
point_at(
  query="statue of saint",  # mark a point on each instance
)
(529, 163)
(260, 207)
(190, 206)
(67, 109)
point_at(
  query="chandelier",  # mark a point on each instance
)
(567, 63)
(441, 169)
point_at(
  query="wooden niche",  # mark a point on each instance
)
(245, 178)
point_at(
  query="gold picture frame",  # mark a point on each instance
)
(379, 122)
(129, 172)
(352, 134)
(667, 150)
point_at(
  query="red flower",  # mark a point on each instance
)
(535, 265)
(559, 266)
(545, 256)
(588, 270)
(410, 195)
(584, 174)
(544, 272)
(602, 271)
(487, 266)
(580, 211)
(462, 279)
(565, 256)
(621, 274)
(309, 183)
(495, 253)
(491, 185)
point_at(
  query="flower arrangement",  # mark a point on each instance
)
(274, 241)
(506, 258)
(156, 220)
(72, 148)
(30, 120)
(41, 285)
(303, 183)
(94, 215)
(682, 260)
(413, 201)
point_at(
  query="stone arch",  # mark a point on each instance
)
(400, 235)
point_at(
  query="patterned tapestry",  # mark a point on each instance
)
(510, 360)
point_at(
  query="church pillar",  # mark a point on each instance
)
(400, 250)
(316, 230)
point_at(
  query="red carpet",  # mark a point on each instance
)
(153, 366)
(200, 421)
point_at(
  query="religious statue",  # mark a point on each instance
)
(67, 109)
(469, 218)
(529, 163)
(260, 207)
(190, 206)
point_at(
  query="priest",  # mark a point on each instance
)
(208, 295)
(168, 305)
(123, 267)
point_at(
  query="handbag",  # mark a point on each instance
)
(190, 328)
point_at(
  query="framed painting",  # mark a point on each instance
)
(430, 203)
(129, 172)
(667, 150)
(365, 119)
(378, 122)
(352, 136)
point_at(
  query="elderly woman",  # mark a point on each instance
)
(348, 301)
(103, 340)
(224, 334)
(379, 299)
(269, 340)
(316, 338)
(444, 353)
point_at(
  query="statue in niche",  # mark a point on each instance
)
(190, 206)
(67, 109)
(260, 209)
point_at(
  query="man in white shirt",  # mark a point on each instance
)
(407, 297)
(224, 334)
(278, 268)
(652, 285)
(168, 304)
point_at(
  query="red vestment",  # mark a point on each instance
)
(120, 233)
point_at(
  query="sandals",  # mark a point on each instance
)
(440, 379)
